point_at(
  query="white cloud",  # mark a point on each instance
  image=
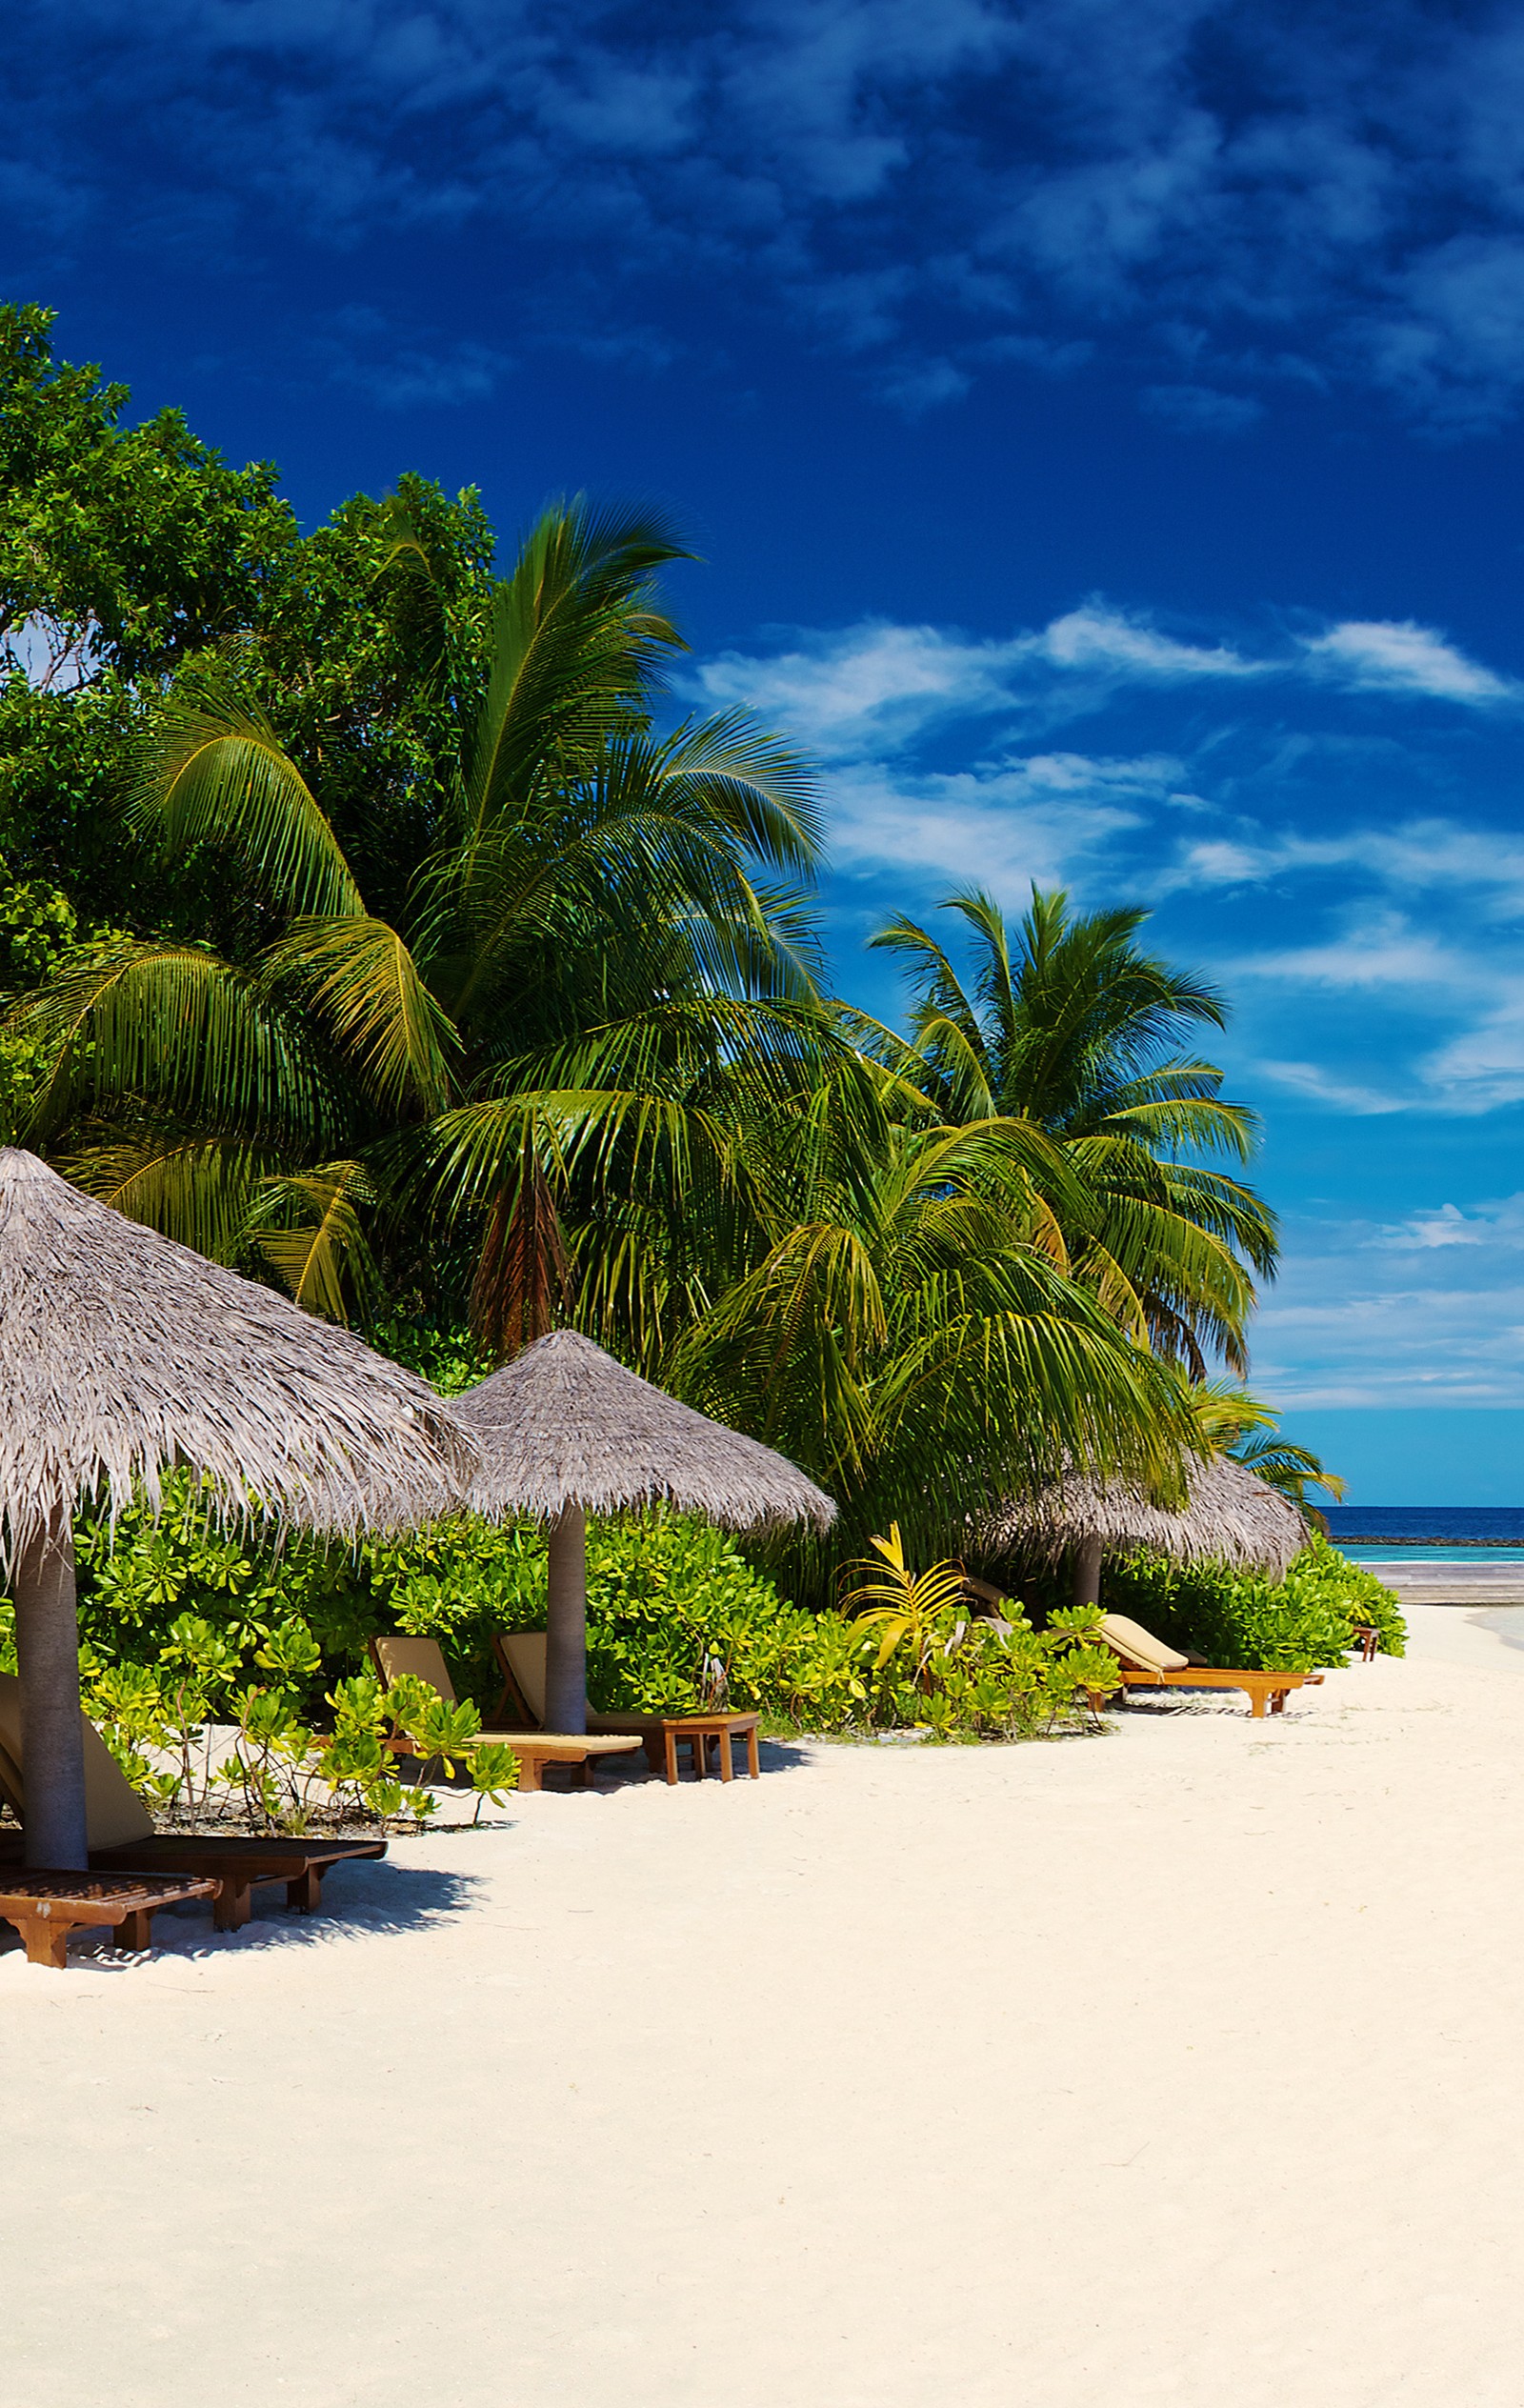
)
(1418, 856)
(1307, 1078)
(1429, 1311)
(1383, 953)
(1423, 1231)
(868, 687)
(881, 686)
(878, 686)
(1398, 656)
(1455, 352)
(1484, 1066)
(1130, 649)
(922, 385)
(1036, 821)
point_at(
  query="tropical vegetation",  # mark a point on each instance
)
(377, 921)
(1244, 1621)
(230, 1680)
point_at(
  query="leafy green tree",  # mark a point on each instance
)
(1067, 1022)
(586, 883)
(121, 547)
(128, 552)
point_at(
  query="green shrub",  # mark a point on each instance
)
(197, 1741)
(184, 1626)
(1241, 1619)
(677, 1617)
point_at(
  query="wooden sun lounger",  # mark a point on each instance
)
(122, 1838)
(235, 1866)
(1261, 1687)
(521, 1660)
(579, 1750)
(46, 1907)
(1147, 1663)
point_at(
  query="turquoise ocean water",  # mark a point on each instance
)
(1429, 1554)
(1427, 1534)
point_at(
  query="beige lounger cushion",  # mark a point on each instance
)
(525, 1650)
(535, 1741)
(114, 1814)
(421, 1658)
(1139, 1646)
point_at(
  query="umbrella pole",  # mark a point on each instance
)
(48, 1661)
(1088, 1572)
(566, 1623)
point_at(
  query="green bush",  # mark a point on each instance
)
(678, 1618)
(184, 1626)
(138, 1580)
(1240, 1619)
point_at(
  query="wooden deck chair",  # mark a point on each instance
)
(422, 1659)
(521, 1660)
(121, 1835)
(1147, 1663)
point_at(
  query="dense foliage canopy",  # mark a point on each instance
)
(374, 921)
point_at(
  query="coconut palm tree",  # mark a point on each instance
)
(1067, 1022)
(906, 1333)
(289, 1107)
(1234, 1423)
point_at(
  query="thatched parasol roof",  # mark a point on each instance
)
(122, 1353)
(566, 1425)
(1229, 1517)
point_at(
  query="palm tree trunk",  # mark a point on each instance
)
(1088, 1572)
(47, 1659)
(566, 1623)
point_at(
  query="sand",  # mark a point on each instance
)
(1181, 2066)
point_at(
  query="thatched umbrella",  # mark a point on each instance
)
(122, 1354)
(565, 1431)
(1229, 1516)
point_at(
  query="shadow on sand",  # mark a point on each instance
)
(380, 1895)
(619, 1773)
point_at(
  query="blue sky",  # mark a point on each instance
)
(1101, 424)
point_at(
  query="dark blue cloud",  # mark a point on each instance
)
(1324, 193)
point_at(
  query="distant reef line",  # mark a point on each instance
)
(1437, 1538)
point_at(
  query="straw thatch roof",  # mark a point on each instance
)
(122, 1354)
(1229, 1516)
(565, 1424)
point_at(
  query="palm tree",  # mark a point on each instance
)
(1067, 1022)
(586, 881)
(1232, 1422)
(903, 1337)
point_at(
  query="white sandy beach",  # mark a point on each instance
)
(1178, 2067)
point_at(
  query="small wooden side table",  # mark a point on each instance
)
(698, 1729)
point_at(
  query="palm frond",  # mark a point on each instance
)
(361, 980)
(215, 774)
(308, 1227)
(177, 1027)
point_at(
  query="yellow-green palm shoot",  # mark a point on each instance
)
(906, 1608)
